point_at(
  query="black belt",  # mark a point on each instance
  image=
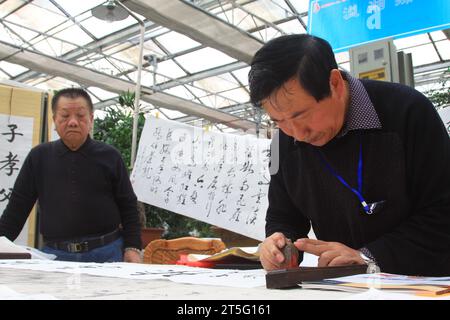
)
(84, 245)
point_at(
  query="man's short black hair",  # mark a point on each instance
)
(72, 93)
(304, 56)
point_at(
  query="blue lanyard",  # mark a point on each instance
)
(358, 193)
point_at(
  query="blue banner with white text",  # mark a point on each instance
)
(348, 23)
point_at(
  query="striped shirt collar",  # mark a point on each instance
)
(361, 113)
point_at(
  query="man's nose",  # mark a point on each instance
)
(73, 122)
(301, 133)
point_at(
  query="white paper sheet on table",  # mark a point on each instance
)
(176, 273)
(6, 293)
(394, 279)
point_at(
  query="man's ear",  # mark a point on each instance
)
(91, 116)
(337, 85)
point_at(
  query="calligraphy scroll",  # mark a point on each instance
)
(20, 125)
(218, 178)
(445, 116)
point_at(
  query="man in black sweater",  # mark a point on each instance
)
(365, 163)
(83, 189)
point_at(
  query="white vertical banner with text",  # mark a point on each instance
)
(445, 116)
(218, 178)
(16, 140)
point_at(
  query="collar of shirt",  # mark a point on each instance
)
(361, 113)
(62, 149)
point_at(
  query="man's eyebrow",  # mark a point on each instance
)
(296, 114)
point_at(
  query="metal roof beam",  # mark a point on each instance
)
(49, 65)
(229, 109)
(94, 46)
(432, 67)
(200, 25)
(202, 75)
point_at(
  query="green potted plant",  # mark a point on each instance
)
(151, 222)
(440, 96)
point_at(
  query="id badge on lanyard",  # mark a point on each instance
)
(369, 208)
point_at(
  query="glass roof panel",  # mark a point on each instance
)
(220, 83)
(102, 94)
(102, 65)
(3, 75)
(74, 34)
(84, 16)
(9, 6)
(12, 68)
(300, 5)
(100, 28)
(180, 91)
(170, 69)
(151, 48)
(94, 99)
(56, 83)
(196, 91)
(75, 8)
(214, 101)
(267, 34)
(267, 10)
(176, 42)
(126, 60)
(281, 4)
(9, 37)
(146, 77)
(88, 58)
(120, 65)
(130, 55)
(24, 33)
(37, 80)
(53, 47)
(162, 78)
(292, 26)
(46, 5)
(424, 54)
(238, 18)
(345, 66)
(411, 41)
(238, 95)
(444, 49)
(26, 16)
(242, 75)
(172, 114)
(438, 35)
(305, 19)
(66, 24)
(342, 57)
(115, 48)
(203, 59)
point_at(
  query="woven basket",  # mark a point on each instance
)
(168, 251)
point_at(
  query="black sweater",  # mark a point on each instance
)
(81, 193)
(406, 163)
